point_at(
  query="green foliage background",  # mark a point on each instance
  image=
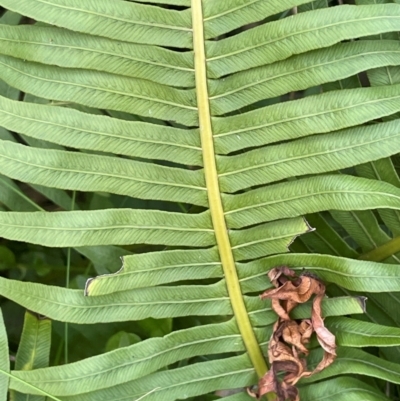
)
(199, 141)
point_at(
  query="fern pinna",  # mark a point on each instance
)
(220, 125)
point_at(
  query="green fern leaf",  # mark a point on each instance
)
(176, 102)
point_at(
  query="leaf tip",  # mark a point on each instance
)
(90, 282)
(87, 286)
(363, 303)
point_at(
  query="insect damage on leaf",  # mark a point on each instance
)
(287, 350)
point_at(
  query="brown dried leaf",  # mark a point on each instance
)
(289, 337)
(306, 330)
(291, 293)
(325, 337)
(278, 275)
(270, 383)
(291, 334)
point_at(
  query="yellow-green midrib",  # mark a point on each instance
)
(214, 195)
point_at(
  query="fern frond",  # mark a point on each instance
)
(174, 103)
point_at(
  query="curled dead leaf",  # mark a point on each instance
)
(287, 346)
(270, 383)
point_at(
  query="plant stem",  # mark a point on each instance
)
(214, 196)
(29, 385)
(21, 194)
(383, 252)
(67, 278)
